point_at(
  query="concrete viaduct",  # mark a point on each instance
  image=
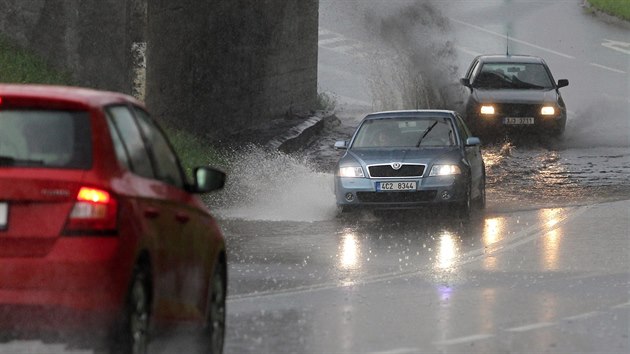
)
(212, 66)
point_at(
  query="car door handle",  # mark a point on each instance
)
(151, 213)
(182, 217)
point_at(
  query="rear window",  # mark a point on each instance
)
(45, 138)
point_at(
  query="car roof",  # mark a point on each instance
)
(411, 113)
(502, 58)
(63, 94)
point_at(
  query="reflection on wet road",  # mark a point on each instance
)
(410, 283)
(267, 259)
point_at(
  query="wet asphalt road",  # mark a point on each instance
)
(543, 269)
(523, 282)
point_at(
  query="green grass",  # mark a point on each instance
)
(619, 8)
(20, 66)
(192, 150)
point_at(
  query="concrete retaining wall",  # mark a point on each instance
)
(84, 37)
(211, 66)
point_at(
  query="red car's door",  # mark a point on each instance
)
(189, 235)
(157, 207)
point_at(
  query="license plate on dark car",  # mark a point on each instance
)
(396, 186)
(518, 120)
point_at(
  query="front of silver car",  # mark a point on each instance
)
(423, 164)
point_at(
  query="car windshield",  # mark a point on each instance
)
(404, 132)
(45, 138)
(513, 76)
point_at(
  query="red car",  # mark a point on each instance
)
(99, 226)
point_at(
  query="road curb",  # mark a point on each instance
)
(300, 135)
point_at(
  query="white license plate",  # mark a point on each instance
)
(4, 213)
(396, 186)
(518, 120)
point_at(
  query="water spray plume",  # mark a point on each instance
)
(270, 185)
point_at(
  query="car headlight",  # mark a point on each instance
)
(351, 172)
(445, 170)
(548, 111)
(487, 109)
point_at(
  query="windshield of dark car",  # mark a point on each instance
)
(45, 138)
(404, 132)
(513, 76)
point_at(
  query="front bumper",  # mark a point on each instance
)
(481, 124)
(362, 193)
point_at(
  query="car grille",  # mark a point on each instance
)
(519, 110)
(396, 197)
(389, 171)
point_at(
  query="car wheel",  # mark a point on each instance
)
(132, 335)
(216, 309)
(481, 202)
(557, 133)
(465, 207)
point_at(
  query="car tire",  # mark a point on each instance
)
(481, 201)
(215, 327)
(557, 133)
(131, 336)
(464, 208)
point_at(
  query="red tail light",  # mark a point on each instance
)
(95, 212)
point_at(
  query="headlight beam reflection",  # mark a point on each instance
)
(349, 261)
(447, 253)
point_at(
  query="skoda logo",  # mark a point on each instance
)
(396, 165)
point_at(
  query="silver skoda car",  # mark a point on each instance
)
(410, 159)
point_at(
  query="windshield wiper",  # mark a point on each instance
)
(11, 161)
(425, 133)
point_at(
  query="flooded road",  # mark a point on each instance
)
(526, 172)
(529, 281)
(534, 176)
(370, 51)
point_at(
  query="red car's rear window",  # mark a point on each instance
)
(45, 138)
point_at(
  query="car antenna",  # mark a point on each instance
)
(507, 44)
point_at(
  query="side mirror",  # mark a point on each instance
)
(563, 83)
(341, 145)
(473, 141)
(208, 179)
(464, 81)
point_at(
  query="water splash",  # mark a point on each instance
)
(415, 66)
(273, 186)
(602, 123)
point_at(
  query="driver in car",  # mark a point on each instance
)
(383, 138)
